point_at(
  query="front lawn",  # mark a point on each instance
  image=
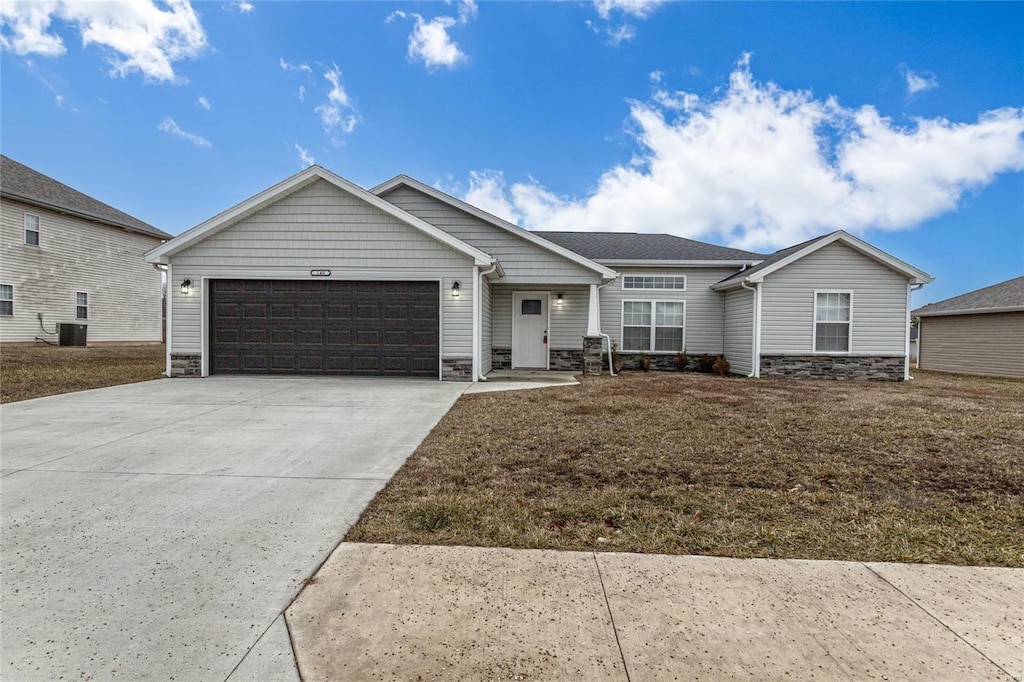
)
(36, 371)
(926, 471)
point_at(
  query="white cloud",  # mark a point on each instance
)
(204, 103)
(305, 158)
(641, 9)
(136, 36)
(286, 66)
(302, 93)
(242, 6)
(338, 113)
(429, 41)
(919, 81)
(760, 167)
(622, 34)
(487, 191)
(169, 126)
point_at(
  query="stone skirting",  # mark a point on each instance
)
(457, 369)
(856, 368)
(501, 358)
(186, 364)
(592, 357)
(659, 362)
(565, 359)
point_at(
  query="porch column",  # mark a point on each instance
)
(594, 313)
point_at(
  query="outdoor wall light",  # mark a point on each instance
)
(456, 287)
(186, 287)
(559, 300)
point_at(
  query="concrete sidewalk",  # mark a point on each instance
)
(427, 613)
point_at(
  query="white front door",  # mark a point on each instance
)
(529, 330)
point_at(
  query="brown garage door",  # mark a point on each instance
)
(324, 327)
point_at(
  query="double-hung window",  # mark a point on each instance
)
(832, 321)
(6, 299)
(653, 326)
(31, 229)
(81, 305)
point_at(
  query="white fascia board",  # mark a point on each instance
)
(531, 237)
(297, 181)
(730, 284)
(913, 274)
(679, 263)
(970, 311)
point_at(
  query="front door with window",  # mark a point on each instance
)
(530, 330)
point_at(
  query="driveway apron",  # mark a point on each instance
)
(158, 530)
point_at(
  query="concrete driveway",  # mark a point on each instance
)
(158, 530)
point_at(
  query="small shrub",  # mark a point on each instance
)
(705, 364)
(431, 515)
(682, 361)
(643, 363)
(616, 358)
(721, 366)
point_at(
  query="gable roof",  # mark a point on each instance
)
(21, 183)
(297, 182)
(622, 247)
(1006, 296)
(784, 257)
(497, 222)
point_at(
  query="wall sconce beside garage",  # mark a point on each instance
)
(456, 288)
(559, 300)
(186, 287)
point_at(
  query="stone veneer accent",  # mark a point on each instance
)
(501, 358)
(186, 364)
(659, 362)
(565, 359)
(592, 356)
(846, 367)
(457, 369)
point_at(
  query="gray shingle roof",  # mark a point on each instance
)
(774, 258)
(21, 183)
(1002, 296)
(609, 246)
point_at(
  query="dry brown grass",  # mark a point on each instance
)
(37, 371)
(927, 471)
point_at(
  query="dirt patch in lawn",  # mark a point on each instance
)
(926, 471)
(37, 371)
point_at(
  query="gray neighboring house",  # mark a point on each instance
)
(66, 257)
(980, 332)
(318, 275)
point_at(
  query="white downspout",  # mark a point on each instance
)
(478, 288)
(756, 364)
(595, 293)
(906, 364)
(169, 320)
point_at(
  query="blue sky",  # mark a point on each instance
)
(751, 124)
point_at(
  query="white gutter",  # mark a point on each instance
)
(478, 302)
(906, 360)
(597, 291)
(756, 366)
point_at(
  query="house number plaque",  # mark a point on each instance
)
(320, 273)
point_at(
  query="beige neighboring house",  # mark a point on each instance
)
(980, 332)
(66, 258)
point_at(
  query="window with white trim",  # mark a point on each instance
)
(7, 300)
(655, 282)
(653, 326)
(81, 305)
(31, 229)
(832, 321)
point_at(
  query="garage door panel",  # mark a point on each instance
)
(324, 327)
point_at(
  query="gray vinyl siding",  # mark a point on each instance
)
(523, 261)
(322, 227)
(486, 326)
(77, 255)
(568, 322)
(704, 307)
(879, 314)
(989, 344)
(739, 331)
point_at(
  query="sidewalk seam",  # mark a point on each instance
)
(940, 622)
(611, 616)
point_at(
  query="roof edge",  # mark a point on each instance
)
(60, 208)
(494, 220)
(967, 311)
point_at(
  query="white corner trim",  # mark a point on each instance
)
(477, 332)
(161, 253)
(168, 322)
(906, 358)
(394, 182)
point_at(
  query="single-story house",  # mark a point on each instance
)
(318, 275)
(69, 259)
(980, 332)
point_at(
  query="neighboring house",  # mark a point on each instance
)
(68, 258)
(981, 332)
(317, 275)
(913, 346)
